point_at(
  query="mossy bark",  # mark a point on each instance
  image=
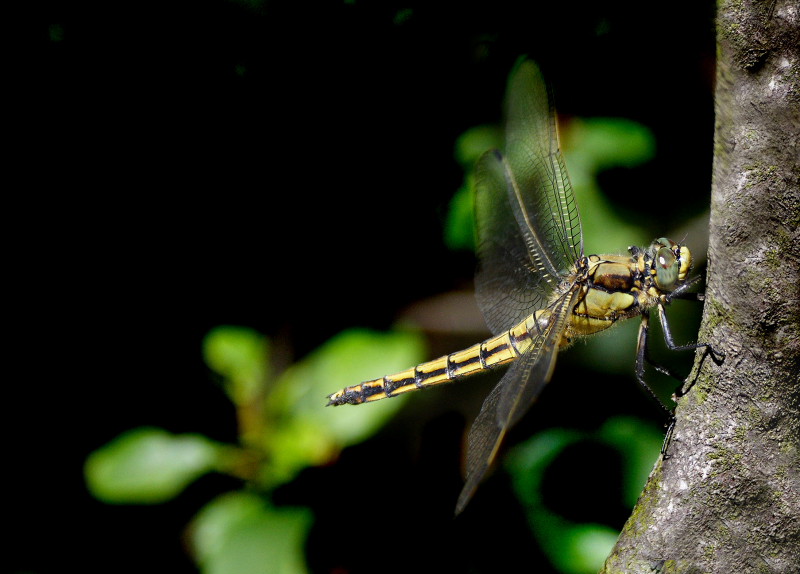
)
(727, 497)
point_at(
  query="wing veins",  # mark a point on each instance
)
(504, 406)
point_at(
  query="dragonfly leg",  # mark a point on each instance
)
(716, 356)
(667, 437)
(662, 315)
(642, 356)
(682, 291)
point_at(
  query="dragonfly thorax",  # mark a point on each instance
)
(616, 287)
(611, 289)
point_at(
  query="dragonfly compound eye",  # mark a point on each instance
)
(666, 270)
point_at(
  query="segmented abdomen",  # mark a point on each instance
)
(499, 350)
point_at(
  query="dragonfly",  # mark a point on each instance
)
(537, 289)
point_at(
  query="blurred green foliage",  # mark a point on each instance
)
(241, 357)
(241, 532)
(579, 548)
(284, 428)
(149, 465)
(459, 231)
(598, 144)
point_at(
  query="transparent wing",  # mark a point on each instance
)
(528, 226)
(542, 183)
(514, 395)
(508, 285)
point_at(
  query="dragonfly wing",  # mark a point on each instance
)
(520, 392)
(542, 185)
(529, 240)
(528, 226)
(513, 396)
(508, 285)
(483, 441)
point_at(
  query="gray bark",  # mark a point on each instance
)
(727, 497)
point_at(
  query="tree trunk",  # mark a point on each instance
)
(727, 497)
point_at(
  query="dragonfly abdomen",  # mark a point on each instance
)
(496, 351)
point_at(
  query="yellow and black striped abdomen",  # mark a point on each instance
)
(499, 350)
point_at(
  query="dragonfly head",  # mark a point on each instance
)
(670, 263)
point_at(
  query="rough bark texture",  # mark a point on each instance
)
(727, 498)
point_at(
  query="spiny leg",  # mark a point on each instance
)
(682, 292)
(662, 316)
(643, 353)
(716, 356)
(642, 356)
(667, 437)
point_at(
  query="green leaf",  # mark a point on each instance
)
(459, 231)
(459, 228)
(640, 444)
(475, 141)
(347, 359)
(579, 548)
(241, 356)
(528, 461)
(583, 548)
(612, 142)
(148, 466)
(303, 431)
(240, 533)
